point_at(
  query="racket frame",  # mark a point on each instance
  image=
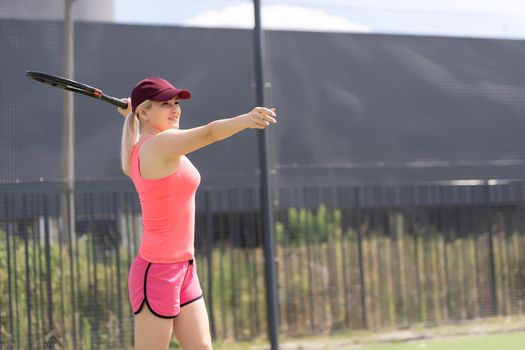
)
(75, 86)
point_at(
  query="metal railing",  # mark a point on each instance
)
(347, 258)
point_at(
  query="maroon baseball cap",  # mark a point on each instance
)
(155, 89)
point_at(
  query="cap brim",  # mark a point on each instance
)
(168, 94)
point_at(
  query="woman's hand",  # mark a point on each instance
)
(260, 118)
(127, 110)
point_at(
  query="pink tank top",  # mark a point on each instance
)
(168, 211)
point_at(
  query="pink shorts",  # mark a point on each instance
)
(164, 288)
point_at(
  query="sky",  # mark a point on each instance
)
(466, 18)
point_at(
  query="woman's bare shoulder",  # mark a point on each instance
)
(153, 163)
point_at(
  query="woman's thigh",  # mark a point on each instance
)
(152, 332)
(192, 327)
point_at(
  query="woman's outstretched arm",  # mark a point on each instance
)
(173, 143)
(258, 118)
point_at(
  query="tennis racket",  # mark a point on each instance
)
(74, 86)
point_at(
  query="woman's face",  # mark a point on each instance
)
(162, 115)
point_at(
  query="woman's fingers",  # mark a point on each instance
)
(267, 111)
(267, 114)
(262, 117)
(270, 119)
(125, 111)
(264, 120)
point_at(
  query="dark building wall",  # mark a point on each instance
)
(352, 108)
(380, 108)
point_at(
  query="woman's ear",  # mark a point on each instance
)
(142, 113)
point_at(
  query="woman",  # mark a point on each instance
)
(164, 288)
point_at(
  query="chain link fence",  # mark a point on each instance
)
(377, 223)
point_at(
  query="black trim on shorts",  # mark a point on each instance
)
(191, 301)
(146, 298)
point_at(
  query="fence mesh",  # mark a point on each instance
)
(397, 180)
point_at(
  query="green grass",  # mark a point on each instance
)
(500, 341)
(505, 341)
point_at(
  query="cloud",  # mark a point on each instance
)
(277, 17)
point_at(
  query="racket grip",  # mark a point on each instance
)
(115, 101)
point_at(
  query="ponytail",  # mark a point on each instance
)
(130, 136)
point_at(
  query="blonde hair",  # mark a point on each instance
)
(130, 136)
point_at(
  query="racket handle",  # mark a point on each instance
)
(114, 101)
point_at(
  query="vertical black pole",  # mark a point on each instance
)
(49, 274)
(266, 204)
(25, 235)
(209, 258)
(68, 171)
(8, 207)
(118, 241)
(363, 290)
(493, 290)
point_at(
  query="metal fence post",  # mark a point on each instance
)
(363, 291)
(266, 203)
(488, 212)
